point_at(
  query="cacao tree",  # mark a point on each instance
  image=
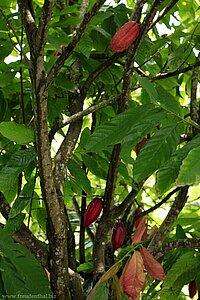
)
(100, 143)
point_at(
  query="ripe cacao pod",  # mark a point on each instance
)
(93, 211)
(125, 36)
(192, 288)
(56, 53)
(118, 235)
(140, 145)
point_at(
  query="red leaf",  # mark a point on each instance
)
(192, 288)
(140, 233)
(133, 277)
(152, 266)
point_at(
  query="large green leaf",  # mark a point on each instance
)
(156, 152)
(122, 125)
(21, 272)
(22, 200)
(18, 133)
(15, 165)
(183, 271)
(168, 174)
(160, 96)
(79, 175)
(190, 168)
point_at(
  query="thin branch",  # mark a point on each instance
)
(193, 102)
(165, 10)
(193, 243)
(167, 224)
(25, 237)
(164, 200)
(176, 72)
(81, 114)
(77, 209)
(28, 20)
(67, 51)
(44, 23)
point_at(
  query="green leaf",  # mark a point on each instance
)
(122, 125)
(93, 165)
(156, 152)
(22, 200)
(86, 267)
(18, 133)
(183, 271)
(190, 169)
(160, 96)
(80, 176)
(168, 174)
(22, 273)
(22, 158)
(13, 224)
(85, 45)
(101, 292)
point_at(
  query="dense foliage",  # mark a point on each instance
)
(79, 122)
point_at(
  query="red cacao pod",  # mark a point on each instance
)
(93, 211)
(125, 36)
(118, 235)
(192, 288)
(56, 53)
(140, 145)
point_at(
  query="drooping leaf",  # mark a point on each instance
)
(156, 152)
(133, 277)
(120, 126)
(109, 274)
(22, 200)
(183, 271)
(80, 176)
(21, 272)
(140, 231)
(160, 96)
(190, 168)
(152, 266)
(18, 133)
(101, 292)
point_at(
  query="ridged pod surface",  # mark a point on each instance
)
(125, 36)
(93, 211)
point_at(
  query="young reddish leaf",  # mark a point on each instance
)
(140, 220)
(133, 277)
(152, 266)
(152, 232)
(140, 233)
(192, 288)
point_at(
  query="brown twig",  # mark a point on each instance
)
(193, 243)
(67, 51)
(194, 110)
(167, 224)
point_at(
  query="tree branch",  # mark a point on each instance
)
(43, 26)
(193, 102)
(184, 243)
(81, 114)
(167, 224)
(67, 51)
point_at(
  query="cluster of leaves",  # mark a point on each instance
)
(159, 109)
